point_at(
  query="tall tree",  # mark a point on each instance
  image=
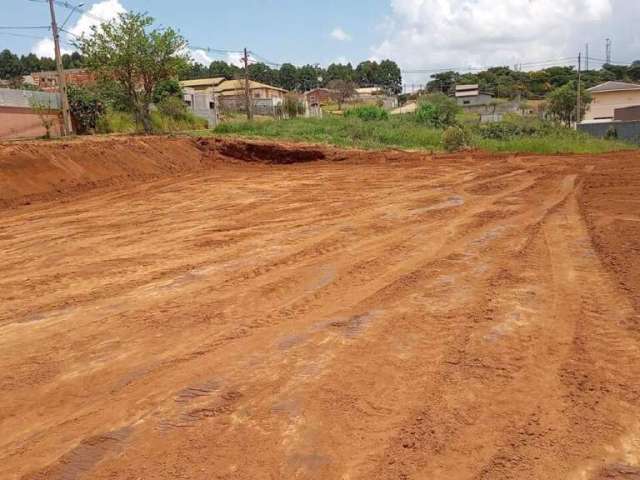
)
(219, 68)
(388, 76)
(367, 73)
(10, 66)
(137, 56)
(288, 77)
(338, 71)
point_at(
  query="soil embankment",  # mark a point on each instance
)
(178, 308)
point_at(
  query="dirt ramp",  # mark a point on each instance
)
(38, 170)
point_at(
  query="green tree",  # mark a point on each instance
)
(10, 66)
(388, 76)
(367, 73)
(219, 68)
(338, 71)
(261, 72)
(437, 110)
(562, 102)
(444, 82)
(288, 77)
(308, 77)
(136, 56)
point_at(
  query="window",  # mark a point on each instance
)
(212, 106)
(466, 102)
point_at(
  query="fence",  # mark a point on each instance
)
(259, 106)
(27, 98)
(628, 131)
(19, 118)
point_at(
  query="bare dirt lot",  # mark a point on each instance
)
(168, 311)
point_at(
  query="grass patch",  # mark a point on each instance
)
(341, 131)
(404, 132)
(124, 122)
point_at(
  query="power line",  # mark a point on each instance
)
(8, 27)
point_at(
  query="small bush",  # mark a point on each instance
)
(612, 133)
(86, 108)
(455, 139)
(292, 107)
(368, 113)
(515, 127)
(173, 107)
(165, 89)
(437, 110)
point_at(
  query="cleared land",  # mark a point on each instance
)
(359, 315)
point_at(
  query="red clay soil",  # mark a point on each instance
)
(168, 310)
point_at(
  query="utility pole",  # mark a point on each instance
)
(67, 128)
(247, 90)
(579, 99)
(586, 58)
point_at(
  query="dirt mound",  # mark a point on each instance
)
(34, 171)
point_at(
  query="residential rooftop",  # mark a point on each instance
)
(614, 87)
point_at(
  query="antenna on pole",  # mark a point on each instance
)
(586, 57)
(579, 99)
(608, 50)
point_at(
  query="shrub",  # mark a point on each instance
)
(455, 139)
(612, 133)
(86, 107)
(173, 107)
(165, 89)
(437, 110)
(292, 107)
(515, 126)
(368, 113)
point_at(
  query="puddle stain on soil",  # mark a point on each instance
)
(79, 462)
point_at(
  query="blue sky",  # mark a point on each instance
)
(280, 30)
(417, 34)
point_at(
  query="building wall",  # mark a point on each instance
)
(48, 81)
(481, 99)
(628, 131)
(19, 122)
(604, 103)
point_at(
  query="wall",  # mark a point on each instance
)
(628, 131)
(482, 99)
(19, 120)
(604, 104)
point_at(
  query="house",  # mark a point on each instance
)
(48, 81)
(202, 84)
(230, 94)
(235, 88)
(609, 97)
(318, 96)
(471, 96)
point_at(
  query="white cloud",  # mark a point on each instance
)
(340, 35)
(463, 33)
(201, 56)
(45, 48)
(235, 59)
(101, 11)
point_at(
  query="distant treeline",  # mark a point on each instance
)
(13, 66)
(385, 74)
(504, 82)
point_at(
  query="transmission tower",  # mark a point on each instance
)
(608, 50)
